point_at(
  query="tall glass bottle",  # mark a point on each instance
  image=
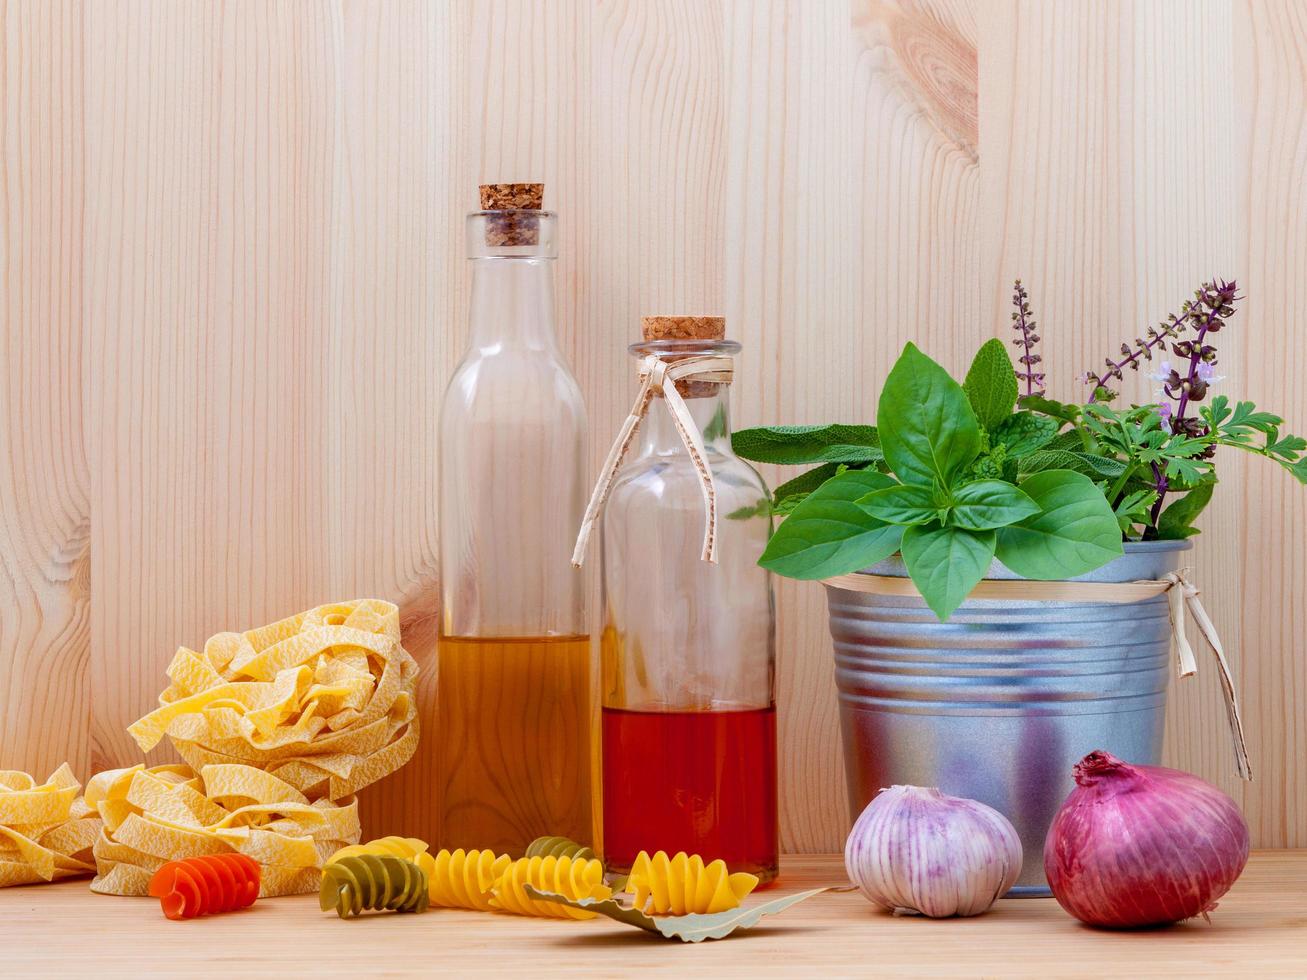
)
(514, 707)
(688, 648)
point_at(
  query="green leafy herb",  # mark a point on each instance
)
(1074, 532)
(1135, 508)
(987, 504)
(991, 384)
(953, 476)
(1022, 433)
(808, 444)
(946, 563)
(928, 431)
(904, 503)
(1177, 521)
(692, 928)
(1089, 464)
(829, 534)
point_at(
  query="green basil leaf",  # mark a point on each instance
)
(927, 429)
(1074, 532)
(1024, 432)
(946, 563)
(991, 384)
(829, 534)
(808, 444)
(988, 504)
(903, 503)
(1177, 521)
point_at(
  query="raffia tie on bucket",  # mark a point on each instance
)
(1180, 592)
(658, 375)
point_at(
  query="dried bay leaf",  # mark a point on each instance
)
(687, 928)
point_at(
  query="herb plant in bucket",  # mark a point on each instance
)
(957, 474)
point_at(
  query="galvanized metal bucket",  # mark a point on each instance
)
(1001, 701)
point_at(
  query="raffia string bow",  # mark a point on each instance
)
(1180, 592)
(660, 376)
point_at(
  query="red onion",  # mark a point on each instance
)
(1142, 845)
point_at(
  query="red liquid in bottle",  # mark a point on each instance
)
(703, 782)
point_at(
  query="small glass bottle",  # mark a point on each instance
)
(514, 725)
(688, 647)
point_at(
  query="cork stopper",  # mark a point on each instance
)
(509, 227)
(683, 327)
(686, 328)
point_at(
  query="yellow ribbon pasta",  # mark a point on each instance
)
(323, 700)
(153, 816)
(683, 885)
(46, 830)
(560, 875)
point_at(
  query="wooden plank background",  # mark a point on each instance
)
(233, 288)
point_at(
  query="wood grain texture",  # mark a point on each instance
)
(231, 243)
(45, 479)
(1256, 932)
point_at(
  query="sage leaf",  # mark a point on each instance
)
(927, 429)
(1074, 532)
(988, 504)
(1024, 432)
(829, 534)
(1090, 464)
(1177, 521)
(991, 384)
(808, 481)
(687, 928)
(946, 563)
(903, 503)
(808, 444)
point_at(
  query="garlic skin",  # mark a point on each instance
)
(916, 850)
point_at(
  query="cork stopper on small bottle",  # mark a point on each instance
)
(510, 227)
(683, 327)
(706, 328)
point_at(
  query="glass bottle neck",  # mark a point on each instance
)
(711, 413)
(512, 303)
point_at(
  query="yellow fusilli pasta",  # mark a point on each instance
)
(682, 884)
(456, 879)
(563, 876)
(405, 847)
(466, 879)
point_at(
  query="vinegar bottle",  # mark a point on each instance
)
(688, 647)
(513, 688)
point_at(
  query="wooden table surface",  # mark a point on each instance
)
(62, 929)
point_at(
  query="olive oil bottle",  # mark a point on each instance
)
(514, 708)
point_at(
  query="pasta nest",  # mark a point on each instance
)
(46, 829)
(683, 884)
(324, 700)
(168, 813)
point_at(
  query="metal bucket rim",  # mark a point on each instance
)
(1121, 569)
